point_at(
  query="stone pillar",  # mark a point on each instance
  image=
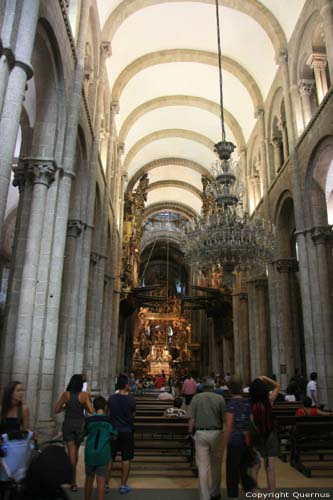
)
(71, 290)
(305, 88)
(264, 171)
(244, 337)
(50, 340)
(243, 163)
(285, 140)
(321, 266)
(7, 57)
(22, 221)
(42, 173)
(262, 325)
(12, 104)
(327, 15)
(285, 323)
(318, 63)
(277, 142)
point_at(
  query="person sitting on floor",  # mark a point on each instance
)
(307, 410)
(176, 410)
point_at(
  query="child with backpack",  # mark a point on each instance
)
(98, 448)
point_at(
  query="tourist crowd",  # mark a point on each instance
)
(223, 415)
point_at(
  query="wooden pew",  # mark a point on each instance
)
(302, 438)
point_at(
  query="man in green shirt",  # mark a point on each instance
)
(206, 413)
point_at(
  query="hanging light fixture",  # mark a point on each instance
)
(224, 236)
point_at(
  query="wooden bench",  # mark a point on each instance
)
(166, 441)
(305, 437)
(312, 444)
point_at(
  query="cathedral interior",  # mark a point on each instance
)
(131, 239)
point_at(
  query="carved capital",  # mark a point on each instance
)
(41, 170)
(322, 235)
(114, 107)
(106, 50)
(259, 113)
(20, 175)
(260, 282)
(243, 297)
(317, 60)
(277, 141)
(281, 57)
(74, 228)
(286, 265)
(120, 148)
(305, 87)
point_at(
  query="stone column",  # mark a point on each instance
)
(7, 57)
(305, 88)
(318, 63)
(22, 221)
(41, 171)
(12, 105)
(284, 140)
(71, 290)
(277, 141)
(262, 336)
(244, 337)
(327, 15)
(264, 171)
(50, 340)
(243, 163)
(286, 332)
(321, 269)
(306, 282)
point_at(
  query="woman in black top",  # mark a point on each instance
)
(14, 414)
(73, 401)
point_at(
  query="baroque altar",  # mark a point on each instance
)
(162, 340)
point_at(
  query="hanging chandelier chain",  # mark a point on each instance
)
(220, 68)
(148, 260)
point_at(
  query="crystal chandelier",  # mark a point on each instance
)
(224, 236)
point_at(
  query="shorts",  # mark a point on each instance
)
(98, 470)
(125, 444)
(270, 447)
(72, 430)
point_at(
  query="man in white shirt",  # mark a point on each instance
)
(311, 389)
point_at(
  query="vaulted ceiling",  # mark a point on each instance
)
(164, 74)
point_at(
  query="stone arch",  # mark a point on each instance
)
(175, 183)
(50, 95)
(181, 162)
(284, 220)
(79, 185)
(163, 134)
(188, 55)
(253, 9)
(182, 100)
(319, 183)
(177, 207)
(303, 47)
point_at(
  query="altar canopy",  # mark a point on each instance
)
(162, 341)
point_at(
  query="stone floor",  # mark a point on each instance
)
(287, 477)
